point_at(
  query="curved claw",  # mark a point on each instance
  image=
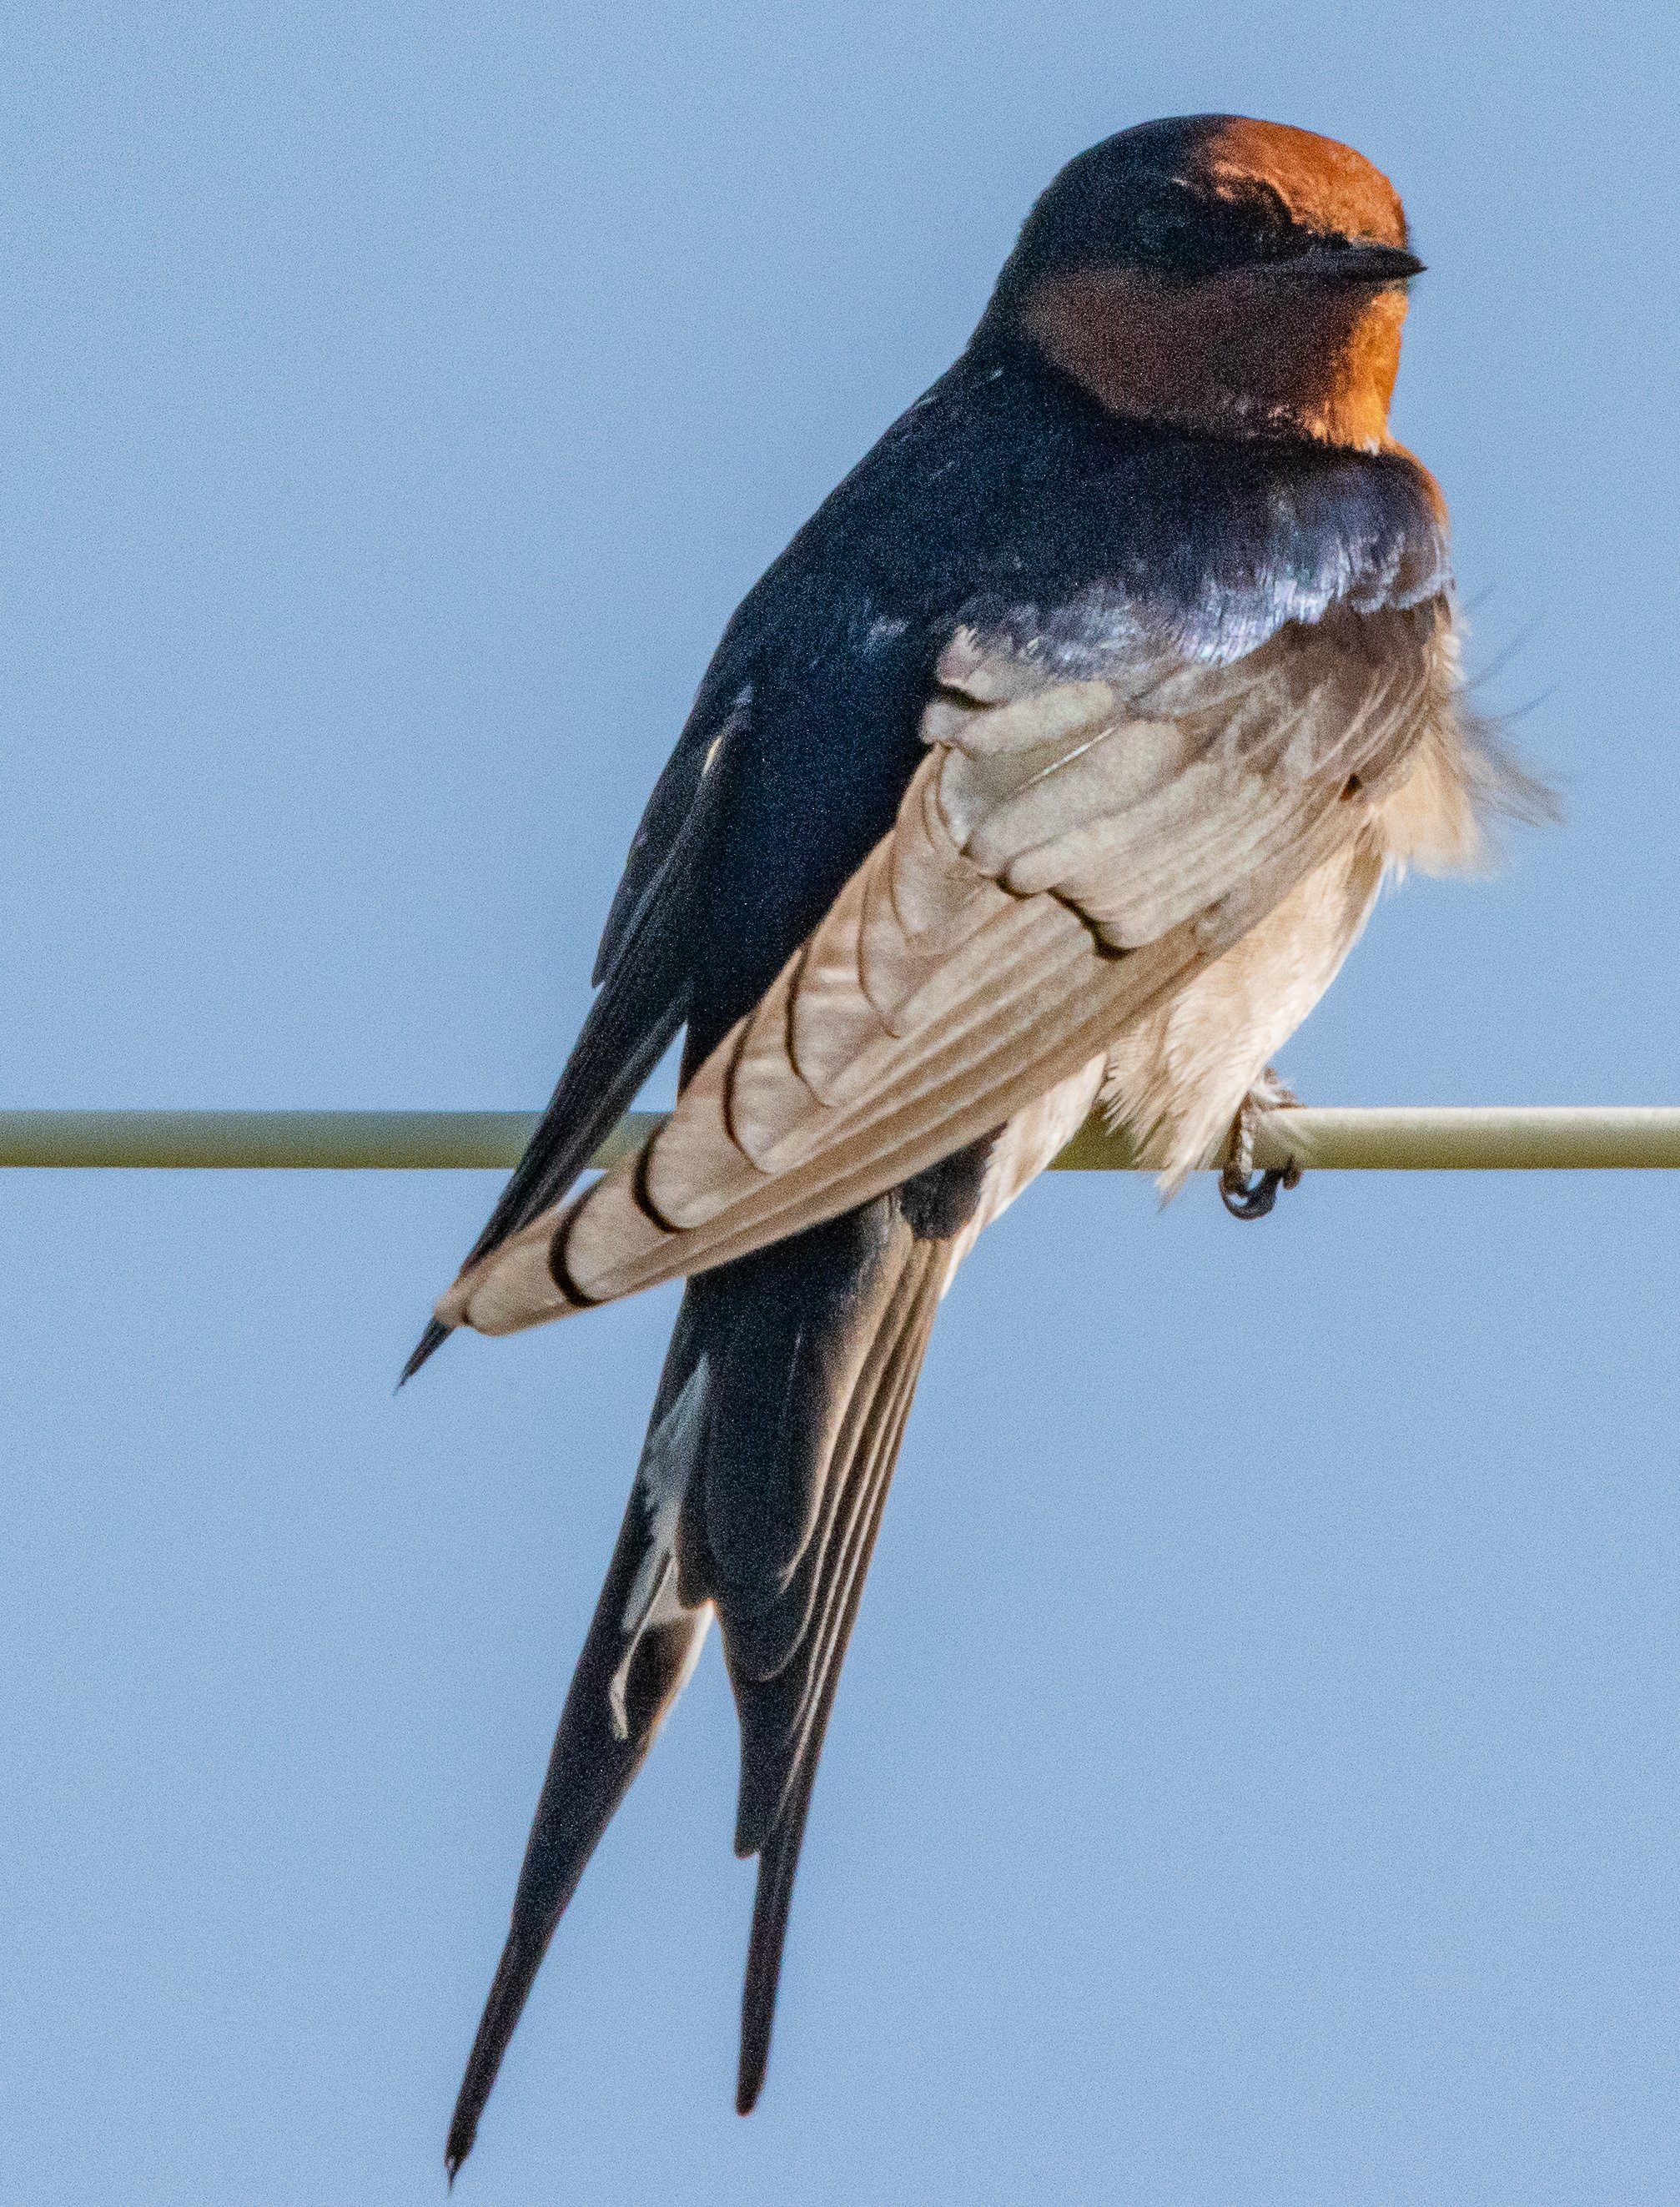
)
(1245, 1198)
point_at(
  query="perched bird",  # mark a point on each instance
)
(1057, 762)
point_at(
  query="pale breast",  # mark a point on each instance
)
(1176, 1077)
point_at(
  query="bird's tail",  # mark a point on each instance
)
(785, 1716)
(641, 1646)
(758, 1497)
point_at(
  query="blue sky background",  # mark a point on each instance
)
(1254, 1779)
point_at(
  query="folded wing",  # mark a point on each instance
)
(643, 973)
(1067, 853)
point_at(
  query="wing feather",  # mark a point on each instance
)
(644, 977)
(833, 1017)
(1032, 899)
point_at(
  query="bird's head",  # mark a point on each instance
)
(1220, 273)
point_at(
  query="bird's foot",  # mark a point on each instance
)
(1244, 1193)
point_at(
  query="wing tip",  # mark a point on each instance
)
(427, 1346)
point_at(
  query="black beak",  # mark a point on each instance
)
(1353, 263)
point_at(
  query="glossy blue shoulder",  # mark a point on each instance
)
(1009, 497)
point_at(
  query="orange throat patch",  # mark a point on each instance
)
(1250, 351)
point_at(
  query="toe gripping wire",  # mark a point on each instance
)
(1246, 1194)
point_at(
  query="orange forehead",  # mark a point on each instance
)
(1325, 185)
